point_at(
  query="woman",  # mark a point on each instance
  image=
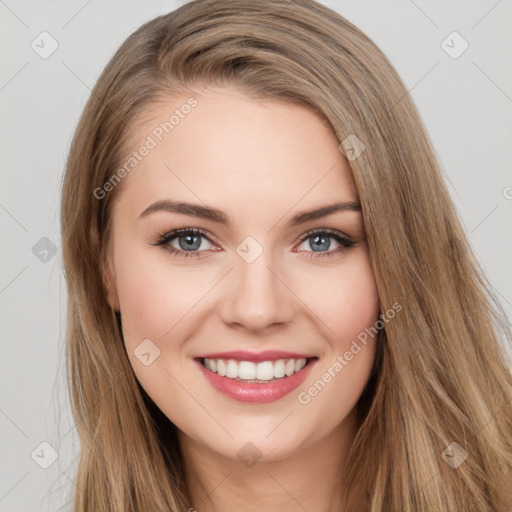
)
(272, 304)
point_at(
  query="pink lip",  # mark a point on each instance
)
(254, 392)
(256, 357)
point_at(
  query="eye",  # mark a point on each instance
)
(320, 243)
(188, 242)
(184, 242)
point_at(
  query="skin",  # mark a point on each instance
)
(261, 163)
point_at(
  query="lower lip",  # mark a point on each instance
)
(254, 392)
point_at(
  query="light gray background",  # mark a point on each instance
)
(466, 104)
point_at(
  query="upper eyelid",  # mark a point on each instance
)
(329, 231)
(175, 233)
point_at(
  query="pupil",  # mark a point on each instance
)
(190, 243)
(325, 245)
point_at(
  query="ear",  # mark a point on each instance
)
(109, 279)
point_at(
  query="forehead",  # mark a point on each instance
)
(241, 154)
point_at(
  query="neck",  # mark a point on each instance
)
(307, 479)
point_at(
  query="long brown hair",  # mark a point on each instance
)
(440, 375)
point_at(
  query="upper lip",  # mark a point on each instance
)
(266, 355)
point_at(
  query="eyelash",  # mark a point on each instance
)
(164, 239)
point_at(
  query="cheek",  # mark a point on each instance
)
(358, 300)
(156, 295)
(348, 312)
(344, 299)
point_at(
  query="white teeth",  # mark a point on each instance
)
(265, 371)
(247, 370)
(232, 369)
(279, 369)
(221, 367)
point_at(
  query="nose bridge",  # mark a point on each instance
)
(255, 296)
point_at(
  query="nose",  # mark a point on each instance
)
(256, 297)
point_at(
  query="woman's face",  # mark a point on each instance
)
(258, 283)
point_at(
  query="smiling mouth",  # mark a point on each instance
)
(251, 372)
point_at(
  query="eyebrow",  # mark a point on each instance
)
(218, 216)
